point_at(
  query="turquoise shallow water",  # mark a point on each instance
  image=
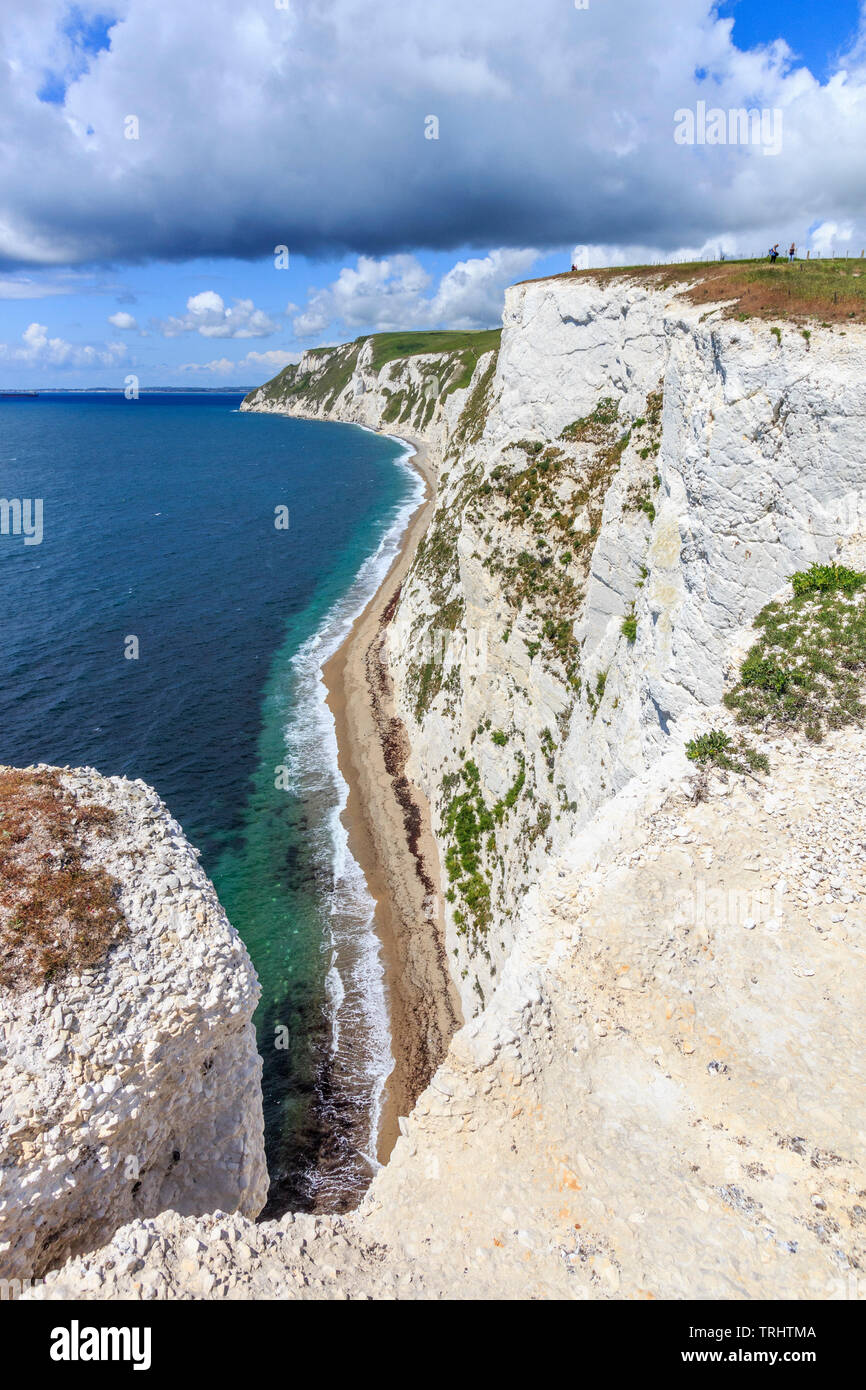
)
(159, 523)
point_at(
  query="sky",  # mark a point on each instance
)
(194, 191)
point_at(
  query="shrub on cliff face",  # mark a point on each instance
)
(56, 912)
(596, 699)
(593, 428)
(806, 670)
(469, 830)
(824, 579)
(719, 749)
(467, 820)
(639, 498)
(510, 799)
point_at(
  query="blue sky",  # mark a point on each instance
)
(815, 32)
(259, 123)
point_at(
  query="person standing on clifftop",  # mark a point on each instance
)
(774, 253)
(791, 252)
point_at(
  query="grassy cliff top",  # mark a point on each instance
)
(825, 291)
(323, 383)
(387, 347)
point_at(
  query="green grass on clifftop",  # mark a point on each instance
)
(387, 347)
(827, 290)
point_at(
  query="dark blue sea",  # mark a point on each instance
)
(158, 523)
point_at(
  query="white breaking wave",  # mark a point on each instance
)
(356, 998)
(336, 994)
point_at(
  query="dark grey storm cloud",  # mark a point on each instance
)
(222, 127)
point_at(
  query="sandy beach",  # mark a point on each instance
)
(388, 825)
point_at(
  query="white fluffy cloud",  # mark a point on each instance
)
(471, 294)
(122, 320)
(831, 238)
(306, 127)
(37, 349)
(389, 294)
(208, 315)
(258, 363)
(384, 293)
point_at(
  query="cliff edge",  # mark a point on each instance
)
(129, 1079)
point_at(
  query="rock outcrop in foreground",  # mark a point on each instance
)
(129, 1083)
(659, 1089)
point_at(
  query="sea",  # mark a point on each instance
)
(195, 567)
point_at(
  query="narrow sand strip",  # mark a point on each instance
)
(388, 823)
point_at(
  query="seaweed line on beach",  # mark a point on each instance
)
(395, 752)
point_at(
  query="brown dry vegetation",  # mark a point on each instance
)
(56, 912)
(826, 291)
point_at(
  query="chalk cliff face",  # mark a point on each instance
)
(747, 466)
(625, 456)
(130, 1085)
(658, 1090)
(422, 394)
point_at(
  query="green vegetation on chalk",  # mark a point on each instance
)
(806, 670)
(510, 798)
(387, 347)
(468, 826)
(592, 428)
(639, 499)
(332, 369)
(554, 501)
(594, 700)
(320, 387)
(719, 748)
(466, 821)
(825, 579)
(426, 679)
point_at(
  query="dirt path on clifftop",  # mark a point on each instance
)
(388, 823)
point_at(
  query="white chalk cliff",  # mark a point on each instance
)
(657, 1092)
(132, 1085)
